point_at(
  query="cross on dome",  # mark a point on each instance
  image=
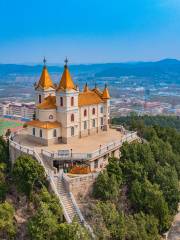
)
(44, 61)
(66, 61)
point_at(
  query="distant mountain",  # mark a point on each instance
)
(143, 69)
(139, 69)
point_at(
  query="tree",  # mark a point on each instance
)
(106, 187)
(7, 223)
(43, 196)
(113, 168)
(3, 185)
(148, 198)
(4, 150)
(141, 227)
(43, 225)
(73, 231)
(8, 132)
(27, 172)
(167, 179)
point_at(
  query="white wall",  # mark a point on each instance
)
(46, 115)
(46, 133)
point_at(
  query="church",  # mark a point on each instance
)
(64, 113)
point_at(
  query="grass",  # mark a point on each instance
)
(9, 123)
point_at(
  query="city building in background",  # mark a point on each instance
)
(17, 110)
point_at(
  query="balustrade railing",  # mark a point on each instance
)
(87, 156)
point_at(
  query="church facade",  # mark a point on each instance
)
(64, 113)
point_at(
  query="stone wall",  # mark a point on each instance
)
(15, 153)
(81, 186)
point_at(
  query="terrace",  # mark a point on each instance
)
(82, 148)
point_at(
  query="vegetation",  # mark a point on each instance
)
(134, 120)
(27, 173)
(7, 223)
(137, 195)
(46, 219)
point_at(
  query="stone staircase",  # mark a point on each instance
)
(67, 200)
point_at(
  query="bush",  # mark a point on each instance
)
(7, 223)
(106, 187)
(27, 173)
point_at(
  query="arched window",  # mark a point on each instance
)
(93, 111)
(102, 121)
(72, 117)
(34, 131)
(72, 101)
(54, 133)
(94, 123)
(39, 98)
(101, 109)
(72, 131)
(85, 124)
(61, 101)
(40, 133)
(85, 113)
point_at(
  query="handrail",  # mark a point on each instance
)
(83, 221)
(130, 136)
(78, 211)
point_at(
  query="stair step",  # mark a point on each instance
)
(66, 199)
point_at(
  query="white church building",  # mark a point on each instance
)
(64, 113)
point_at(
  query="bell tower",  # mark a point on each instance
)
(67, 105)
(106, 98)
(45, 86)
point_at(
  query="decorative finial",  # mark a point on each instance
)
(95, 85)
(44, 61)
(66, 61)
(105, 85)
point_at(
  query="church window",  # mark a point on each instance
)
(85, 113)
(40, 133)
(72, 101)
(50, 117)
(101, 109)
(61, 101)
(72, 117)
(94, 123)
(85, 124)
(93, 111)
(54, 133)
(39, 98)
(102, 121)
(96, 164)
(34, 131)
(72, 131)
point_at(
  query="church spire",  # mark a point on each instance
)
(86, 89)
(105, 94)
(66, 80)
(45, 79)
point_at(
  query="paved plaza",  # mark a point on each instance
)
(81, 145)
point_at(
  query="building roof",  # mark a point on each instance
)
(89, 98)
(44, 125)
(97, 91)
(105, 94)
(45, 81)
(66, 80)
(48, 103)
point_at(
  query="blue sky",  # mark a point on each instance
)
(89, 31)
